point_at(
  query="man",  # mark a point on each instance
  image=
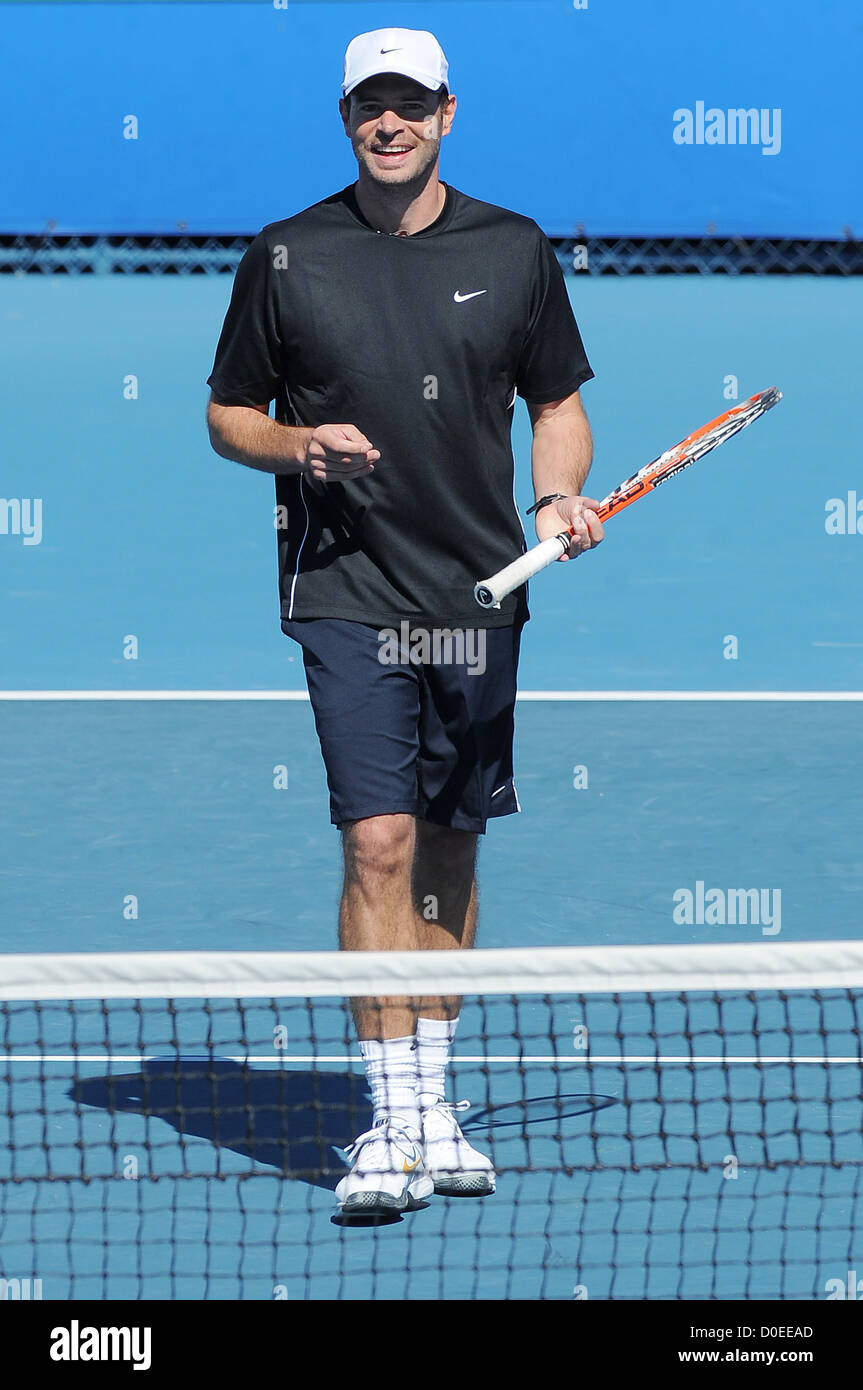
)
(393, 325)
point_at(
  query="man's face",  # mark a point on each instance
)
(395, 127)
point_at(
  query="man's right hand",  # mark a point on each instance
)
(336, 453)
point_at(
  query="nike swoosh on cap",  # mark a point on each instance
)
(460, 298)
(390, 50)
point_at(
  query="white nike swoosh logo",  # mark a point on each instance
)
(460, 298)
(500, 789)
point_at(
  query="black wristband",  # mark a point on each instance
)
(544, 501)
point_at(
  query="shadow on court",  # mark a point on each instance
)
(293, 1121)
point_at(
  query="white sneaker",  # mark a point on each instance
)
(387, 1172)
(456, 1169)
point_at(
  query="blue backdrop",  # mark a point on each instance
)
(604, 115)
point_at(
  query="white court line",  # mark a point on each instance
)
(642, 696)
(685, 696)
(69, 695)
(627, 1059)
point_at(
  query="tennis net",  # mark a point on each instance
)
(666, 1123)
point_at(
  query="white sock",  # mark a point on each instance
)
(434, 1040)
(391, 1069)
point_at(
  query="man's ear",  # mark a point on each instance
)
(344, 112)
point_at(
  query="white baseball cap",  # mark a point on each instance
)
(411, 53)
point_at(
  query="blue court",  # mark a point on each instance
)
(147, 533)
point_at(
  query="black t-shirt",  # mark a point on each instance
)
(421, 342)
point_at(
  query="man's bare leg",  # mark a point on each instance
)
(377, 912)
(445, 899)
(408, 886)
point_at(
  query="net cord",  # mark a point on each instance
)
(684, 968)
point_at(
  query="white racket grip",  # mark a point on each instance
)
(489, 592)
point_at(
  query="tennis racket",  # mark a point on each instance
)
(489, 592)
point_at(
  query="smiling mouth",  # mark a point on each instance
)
(392, 151)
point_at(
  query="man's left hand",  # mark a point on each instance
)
(577, 512)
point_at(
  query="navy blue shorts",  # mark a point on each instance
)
(413, 723)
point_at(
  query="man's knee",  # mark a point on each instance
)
(379, 846)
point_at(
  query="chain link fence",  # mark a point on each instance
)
(129, 254)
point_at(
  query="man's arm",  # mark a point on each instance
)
(328, 453)
(560, 458)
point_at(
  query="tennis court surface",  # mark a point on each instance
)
(666, 1123)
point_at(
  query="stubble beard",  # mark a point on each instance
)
(410, 183)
